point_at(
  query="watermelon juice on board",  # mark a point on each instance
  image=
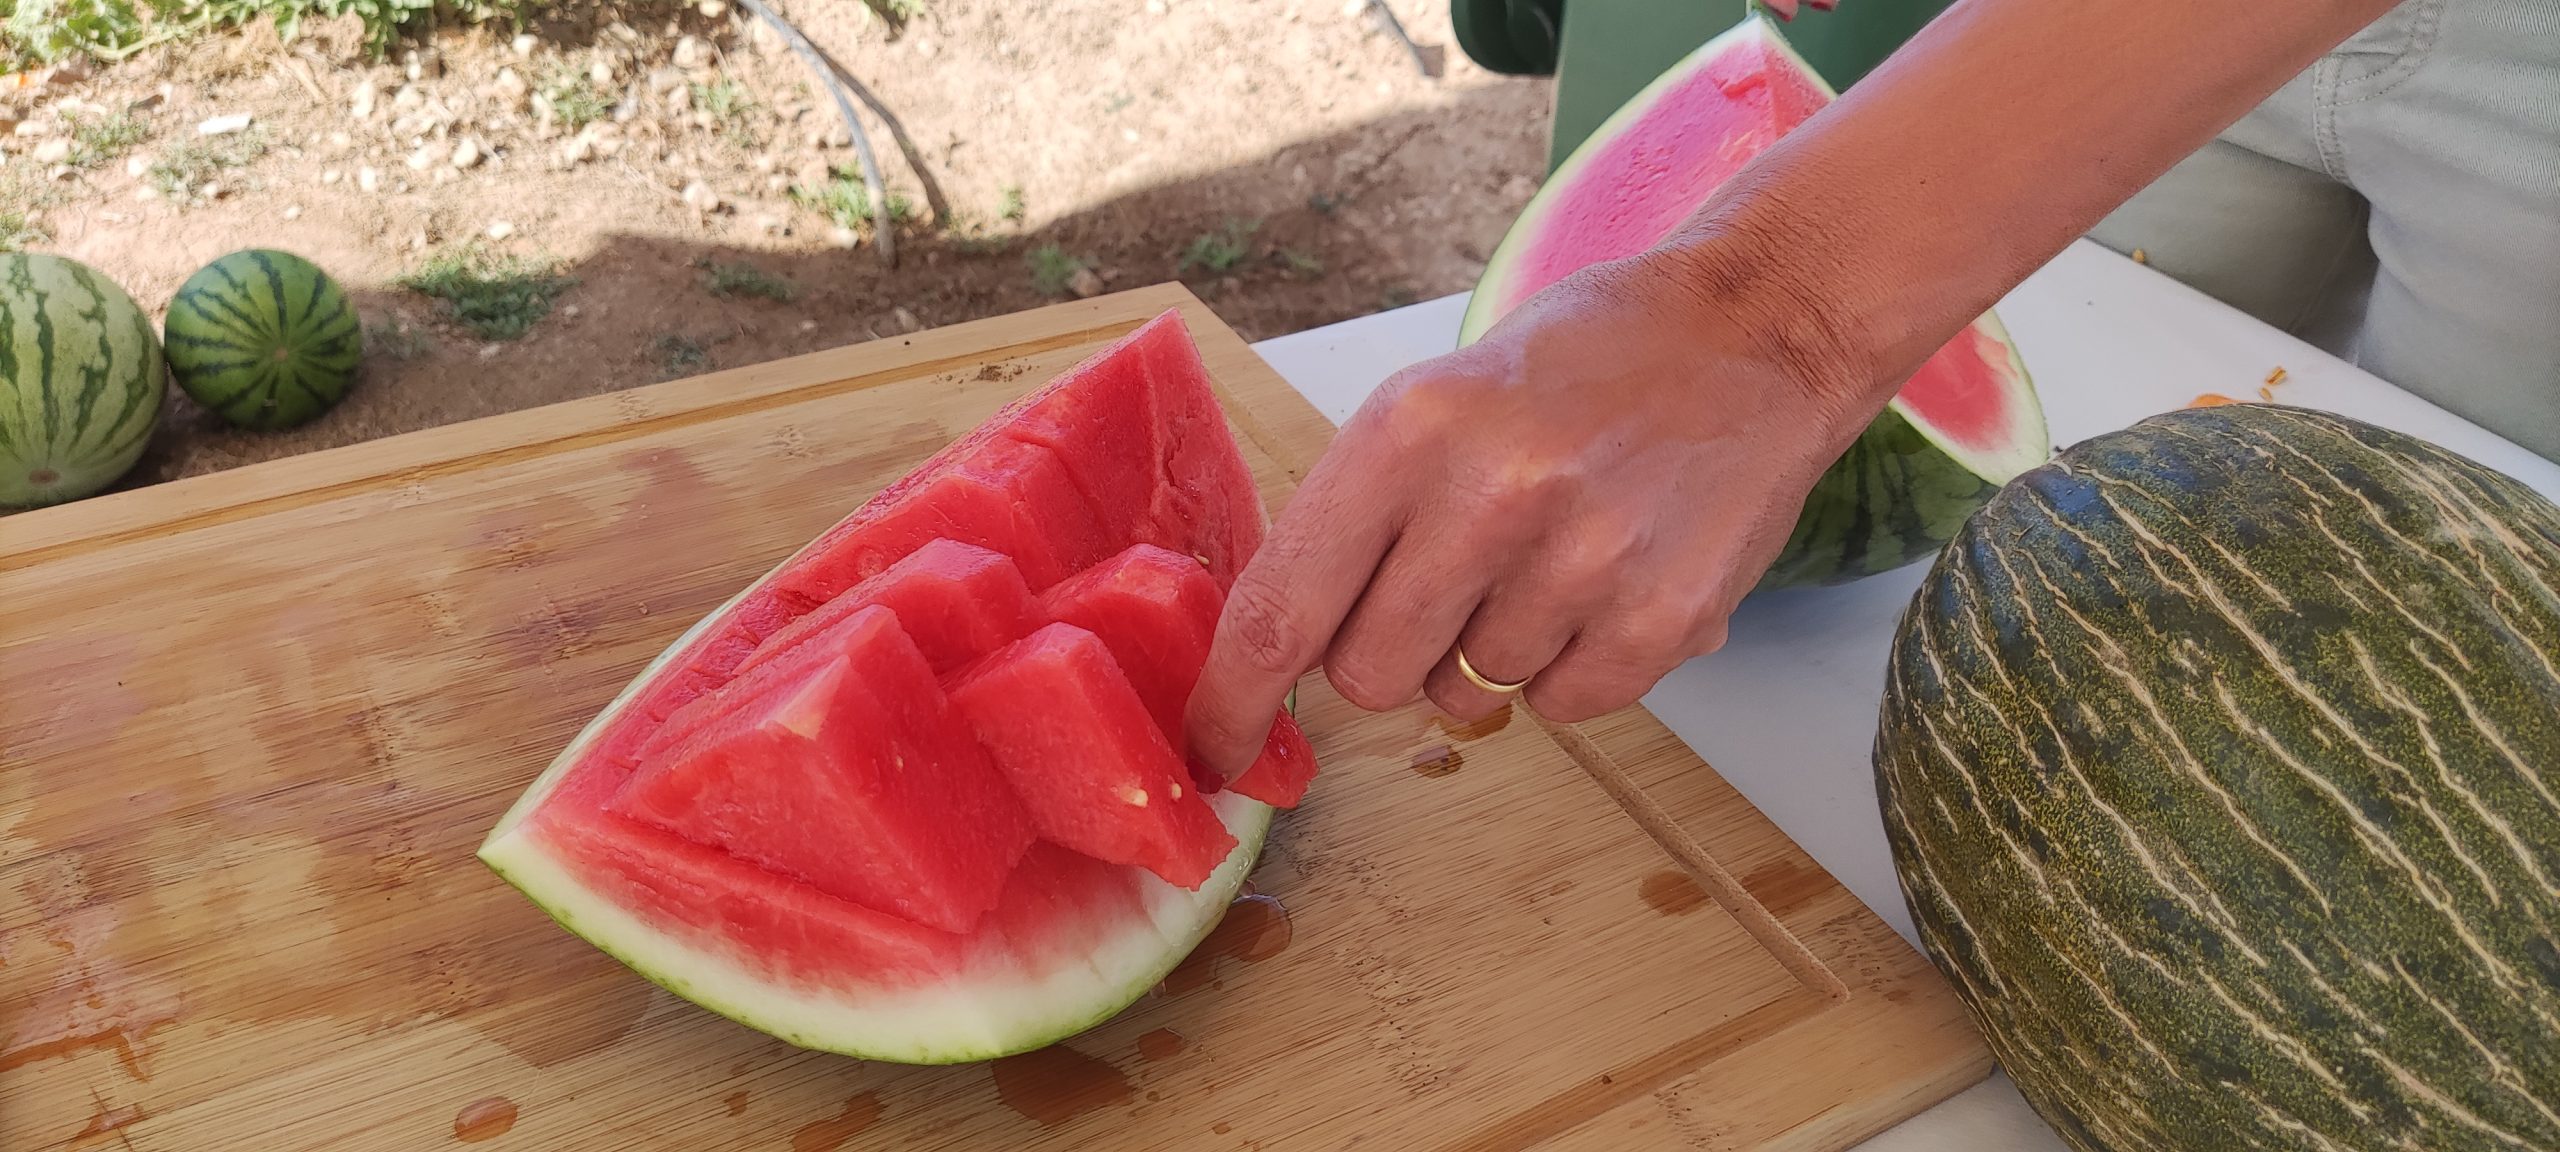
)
(919, 794)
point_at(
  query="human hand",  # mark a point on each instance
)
(1577, 501)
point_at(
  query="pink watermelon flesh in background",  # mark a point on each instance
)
(1157, 612)
(1964, 424)
(1128, 447)
(1090, 764)
(847, 770)
(956, 601)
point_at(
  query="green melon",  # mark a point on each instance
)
(2220, 760)
(80, 380)
(264, 338)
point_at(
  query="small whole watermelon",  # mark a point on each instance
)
(264, 338)
(80, 380)
(2220, 759)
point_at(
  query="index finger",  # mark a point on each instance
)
(1286, 604)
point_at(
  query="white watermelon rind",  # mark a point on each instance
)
(983, 1016)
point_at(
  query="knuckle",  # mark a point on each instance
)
(1358, 681)
(1266, 636)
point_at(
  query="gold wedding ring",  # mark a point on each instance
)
(1478, 678)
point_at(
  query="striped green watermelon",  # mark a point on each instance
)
(264, 338)
(1963, 424)
(80, 380)
(2221, 763)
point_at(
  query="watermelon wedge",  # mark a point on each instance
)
(1963, 425)
(846, 808)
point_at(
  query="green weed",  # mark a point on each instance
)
(845, 201)
(574, 99)
(98, 139)
(495, 296)
(1220, 250)
(1303, 265)
(191, 164)
(50, 31)
(732, 110)
(397, 340)
(1010, 208)
(1052, 269)
(726, 280)
(681, 355)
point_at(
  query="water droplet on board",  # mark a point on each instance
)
(1437, 761)
(484, 1119)
(1056, 1084)
(1671, 892)
(1161, 1044)
(1474, 729)
(108, 1120)
(1256, 928)
(830, 1134)
(736, 1102)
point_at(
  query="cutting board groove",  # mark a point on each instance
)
(253, 725)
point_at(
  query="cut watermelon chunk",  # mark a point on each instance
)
(1961, 427)
(1279, 777)
(733, 825)
(1067, 729)
(956, 601)
(1156, 612)
(847, 770)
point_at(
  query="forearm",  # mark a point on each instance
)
(2000, 133)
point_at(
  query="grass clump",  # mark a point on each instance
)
(191, 164)
(574, 100)
(98, 139)
(680, 355)
(1220, 250)
(1052, 269)
(1010, 207)
(50, 31)
(731, 279)
(843, 200)
(731, 108)
(494, 296)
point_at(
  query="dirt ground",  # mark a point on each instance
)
(1299, 136)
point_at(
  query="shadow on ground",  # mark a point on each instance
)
(1316, 247)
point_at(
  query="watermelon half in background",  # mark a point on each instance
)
(695, 829)
(1965, 424)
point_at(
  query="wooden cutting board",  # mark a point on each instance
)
(254, 724)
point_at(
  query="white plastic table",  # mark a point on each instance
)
(1787, 709)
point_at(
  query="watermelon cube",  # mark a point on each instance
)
(1156, 611)
(1279, 777)
(956, 601)
(1007, 496)
(843, 766)
(1097, 774)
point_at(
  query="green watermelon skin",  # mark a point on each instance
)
(2220, 760)
(263, 338)
(80, 380)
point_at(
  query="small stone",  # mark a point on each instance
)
(691, 53)
(137, 164)
(569, 310)
(408, 97)
(329, 176)
(340, 141)
(1518, 189)
(223, 125)
(146, 192)
(500, 230)
(1156, 7)
(467, 153)
(679, 99)
(1129, 134)
(907, 321)
(664, 80)
(293, 211)
(600, 73)
(623, 32)
(52, 152)
(28, 128)
(700, 197)
(766, 162)
(808, 325)
(509, 88)
(769, 224)
(712, 9)
(1085, 284)
(523, 45)
(1353, 8)
(926, 48)
(367, 179)
(777, 183)
(212, 190)
(577, 148)
(490, 351)
(426, 156)
(763, 38)
(843, 237)
(424, 64)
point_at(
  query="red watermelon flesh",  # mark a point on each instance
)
(1279, 777)
(1068, 730)
(1128, 447)
(1156, 612)
(845, 768)
(956, 601)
